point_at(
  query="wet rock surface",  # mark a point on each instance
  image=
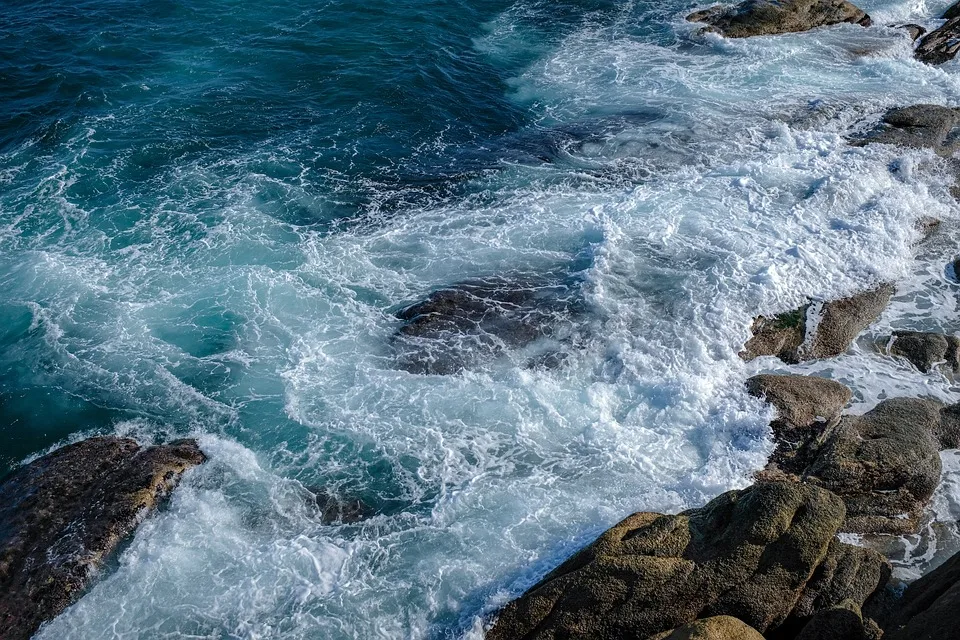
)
(459, 326)
(919, 126)
(816, 330)
(65, 513)
(765, 17)
(750, 554)
(940, 45)
(333, 508)
(926, 350)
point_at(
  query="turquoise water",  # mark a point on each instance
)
(210, 213)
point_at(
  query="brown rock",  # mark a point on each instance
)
(765, 17)
(843, 622)
(65, 513)
(715, 628)
(749, 554)
(800, 400)
(919, 126)
(926, 350)
(940, 45)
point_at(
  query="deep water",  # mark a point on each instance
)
(211, 212)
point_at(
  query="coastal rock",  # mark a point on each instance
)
(919, 126)
(800, 400)
(885, 465)
(953, 11)
(843, 622)
(849, 574)
(65, 513)
(455, 327)
(928, 608)
(749, 554)
(914, 30)
(768, 17)
(816, 330)
(334, 509)
(948, 432)
(715, 628)
(926, 350)
(940, 45)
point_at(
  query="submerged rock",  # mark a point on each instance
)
(919, 126)
(768, 17)
(334, 509)
(816, 330)
(914, 30)
(926, 350)
(940, 45)
(455, 327)
(62, 516)
(750, 554)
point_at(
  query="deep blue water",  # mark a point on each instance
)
(211, 211)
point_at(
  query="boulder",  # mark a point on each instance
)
(885, 465)
(940, 45)
(816, 330)
(64, 514)
(948, 432)
(928, 609)
(914, 30)
(842, 622)
(714, 628)
(456, 327)
(749, 554)
(332, 508)
(768, 17)
(800, 401)
(926, 350)
(919, 126)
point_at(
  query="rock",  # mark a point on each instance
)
(334, 509)
(715, 628)
(800, 400)
(948, 433)
(940, 45)
(834, 326)
(927, 226)
(885, 465)
(920, 126)
(842, 622)
(749, 554)
(925, 350)
(914, 30)
(455, 327)
(952, 12)
(928, 609)
(848, 574)
(64, 514)
(767, 17)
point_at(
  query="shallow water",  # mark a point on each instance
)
(210, 214)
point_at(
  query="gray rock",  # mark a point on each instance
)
(800, 400)
(885, 465)
(454, 328)
(63, 515)
(749, 554)
(926, 350)
(767, 17)
(948, 433)
(836, 325)
(914, 30)
(919, 126)
(940, 45)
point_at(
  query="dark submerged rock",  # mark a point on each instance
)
(926, 350)
(768, 17)
(748, 554)
(919, 126)
(63, 515)
(334, 509)
(455, 327)
(940, 45)
(837, 324)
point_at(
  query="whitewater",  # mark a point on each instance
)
(210, 215)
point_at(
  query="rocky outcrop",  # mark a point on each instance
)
(455, 327)
(816, 330)
(940, 45)
(62, 516)
(754, 554)
(800, 401)
(332, 508)
(919, 126)
(715, 628)
(842, 622)
(768, 17)
(926, 350)
(928, 609)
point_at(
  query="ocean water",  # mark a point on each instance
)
(211, 211)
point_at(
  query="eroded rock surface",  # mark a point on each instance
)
(800, 400)
(766, 17)
(926, 350)
(919, 126)
(816, 330)
(750, 554)
(62, 516)
(940, 45)
(455, 327)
